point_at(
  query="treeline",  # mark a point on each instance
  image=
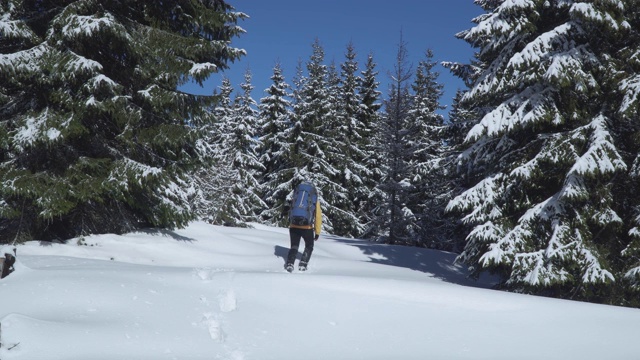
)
(376, 159)
(534, 177)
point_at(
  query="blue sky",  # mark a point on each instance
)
(284, 31)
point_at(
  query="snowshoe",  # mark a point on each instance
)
(289, 267)
(302, 268)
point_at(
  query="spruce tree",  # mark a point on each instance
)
(336, 145)
(540, 162)
(394, 222)
(354, 134)
(275, 123)
(316, 144)
(242, 141)
(332, 141)
(281, 182)
(217, 175)
(95, 135)
(235, 146)
(426, 135)
(369, 116)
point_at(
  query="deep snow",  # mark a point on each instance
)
(208, 292)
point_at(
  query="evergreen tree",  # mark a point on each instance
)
(368, 114)
(282, 181)
(332, 141)
(394, 222)
(354, 133)
(426, 135)
(241, 201)
(275, 120)
(369, 117)
(95, 136)
(217, 176)
(336, 142)
(223, 115)
(244, 143)
(316, 144)
(540, 162)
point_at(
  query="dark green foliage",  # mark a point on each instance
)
(95, 136)
(393, 221)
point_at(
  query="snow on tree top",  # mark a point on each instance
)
(87, 25)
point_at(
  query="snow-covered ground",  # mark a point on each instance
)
(208, 292)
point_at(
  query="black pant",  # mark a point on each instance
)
(294, 236)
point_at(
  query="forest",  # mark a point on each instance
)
(533, 176)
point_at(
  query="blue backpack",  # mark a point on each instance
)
(303, 205)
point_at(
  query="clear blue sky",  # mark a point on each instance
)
(284, 30)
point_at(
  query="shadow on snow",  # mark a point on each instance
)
(438, 264)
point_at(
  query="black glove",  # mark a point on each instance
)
(317, 236)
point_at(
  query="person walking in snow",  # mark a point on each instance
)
(305, 221)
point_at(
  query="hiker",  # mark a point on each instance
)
(305, 221)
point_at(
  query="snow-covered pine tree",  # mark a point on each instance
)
(217, 175)
(394, 222)
(335, 145)
(540, 162)
(331, 140)
(317, 144)
(275, 123)
(354, 137)
(281, 182)
(296, 131)
(238, 141)
(369, 116)
(245, 143)
(222, 113)
(95, 136)
(426, 135)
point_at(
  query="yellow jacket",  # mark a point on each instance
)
(317, 227)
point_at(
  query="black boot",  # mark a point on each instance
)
(306, 255)
(289, 267)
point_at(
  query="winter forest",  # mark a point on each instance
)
(533, 177)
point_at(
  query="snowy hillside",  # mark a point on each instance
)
(210, 292)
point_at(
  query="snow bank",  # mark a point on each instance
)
(210, 292)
